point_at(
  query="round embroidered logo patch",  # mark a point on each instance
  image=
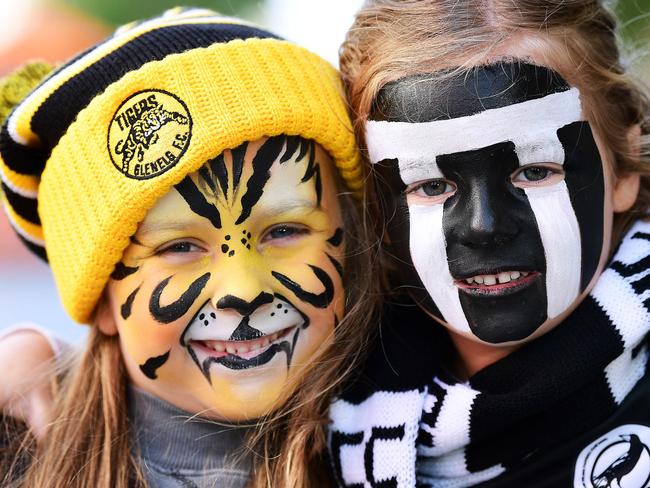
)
(149, 133)
(618, 459)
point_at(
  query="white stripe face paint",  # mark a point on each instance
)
(530, 125)
(558, 228)
(431, 150)
(429, 254)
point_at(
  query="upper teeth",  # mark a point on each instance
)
(240, 347)
(504, 277)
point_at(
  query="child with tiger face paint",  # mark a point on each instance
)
(196, 205)
(509, 151)
(233, 281)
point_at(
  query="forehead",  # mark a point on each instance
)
(417, 119)
(271, 175)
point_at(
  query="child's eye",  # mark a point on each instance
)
(535, 174)
(284, 232)
(180, 247)
(432, 188)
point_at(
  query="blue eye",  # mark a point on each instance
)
(535, 174)
(433, 188)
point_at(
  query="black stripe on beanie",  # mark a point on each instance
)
(21, 159)
(36, 249)
(27, 208)
(59, 110)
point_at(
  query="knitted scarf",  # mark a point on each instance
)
(406, 422)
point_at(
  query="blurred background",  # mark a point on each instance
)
(55, 30)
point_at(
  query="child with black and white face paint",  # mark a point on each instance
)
(507, 147)
(191, 182)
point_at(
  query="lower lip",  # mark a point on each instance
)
(243, 355)
(499, 288)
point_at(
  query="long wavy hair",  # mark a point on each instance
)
(88, 442)
(391, 39)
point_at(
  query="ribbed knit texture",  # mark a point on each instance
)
(407, 422)
(68, 200)
(177, 449)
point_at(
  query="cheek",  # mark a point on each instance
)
(139, 331)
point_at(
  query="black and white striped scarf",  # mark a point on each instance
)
(405, 422)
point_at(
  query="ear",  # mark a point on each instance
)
(104, 318)
(626, 186)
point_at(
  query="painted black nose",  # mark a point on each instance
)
(487, 222)
(243, 307)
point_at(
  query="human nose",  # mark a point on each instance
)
(242, 291)
(487, 221)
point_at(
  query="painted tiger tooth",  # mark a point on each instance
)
(515, 275)
(490, 280)
(503, 277)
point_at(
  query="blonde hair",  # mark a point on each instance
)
(391, 39)
(89, 442)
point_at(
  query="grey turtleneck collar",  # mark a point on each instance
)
(179, 450)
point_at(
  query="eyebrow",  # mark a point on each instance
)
(163, 226)
(288, 206)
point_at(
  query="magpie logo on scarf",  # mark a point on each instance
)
(444, 433)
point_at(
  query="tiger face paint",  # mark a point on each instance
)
(234, 280)
(496, 192)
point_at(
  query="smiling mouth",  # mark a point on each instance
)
(239, 355)
(243, 349)
(501, 283)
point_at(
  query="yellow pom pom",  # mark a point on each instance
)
(17, 85)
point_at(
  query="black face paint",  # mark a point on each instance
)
(489, 225)
(121, 271)
(218, 167)
(337, 265)
(245, 332)
(420, 99)
(238, 155)
(242, 306)
(197, 202)
(262, 162)
(152, 364)
(175, 310)
(337, 238)
(320, 300)
(125, 309)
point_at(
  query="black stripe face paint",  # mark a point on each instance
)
(127, 306)
(197, 201)
(121, 271)
(262, 162)
(151, 365)
(493, 191)
(175, 310)
(320, 300)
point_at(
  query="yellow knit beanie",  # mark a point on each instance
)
(88, 152)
